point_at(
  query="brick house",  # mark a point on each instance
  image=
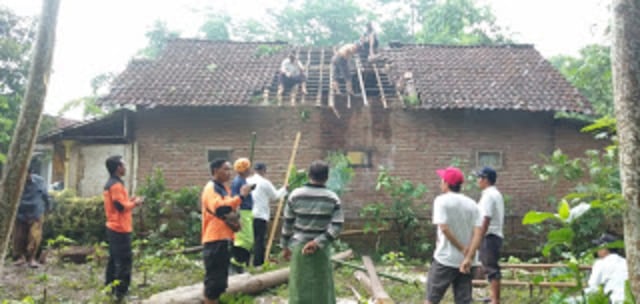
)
(426, 107)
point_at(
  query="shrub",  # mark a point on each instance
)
(78, 218)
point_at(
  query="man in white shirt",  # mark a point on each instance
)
(291, 74)
(609, 271)
(459, 236)
(491, 207)
(263, 194)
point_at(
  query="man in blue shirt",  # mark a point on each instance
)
(27, 232)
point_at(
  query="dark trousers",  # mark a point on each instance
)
(259, 234)
(120, 261)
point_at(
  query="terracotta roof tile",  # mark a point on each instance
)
(207, 73)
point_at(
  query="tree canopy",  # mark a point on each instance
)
(16, 37)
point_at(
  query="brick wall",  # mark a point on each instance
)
(411, 143)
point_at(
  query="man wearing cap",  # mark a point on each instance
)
(262, 195)
(491, 207)
(244, 238)
(459, 236)
(609, 270)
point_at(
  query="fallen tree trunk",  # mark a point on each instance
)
(380, 296)
(382, 274)
(244, 283)
(364, 280)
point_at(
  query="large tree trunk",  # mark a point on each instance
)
(626, 89)
(24, 136)
(244, 283)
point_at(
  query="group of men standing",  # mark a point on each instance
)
(465, 227)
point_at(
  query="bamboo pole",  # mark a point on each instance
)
(360, 79)
(252, 147)
(281, 202)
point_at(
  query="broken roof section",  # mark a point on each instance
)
(222, 73)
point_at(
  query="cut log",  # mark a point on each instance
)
(364, 280)
(76, 254)
(244, 283)
(382, 274)
(379, 295)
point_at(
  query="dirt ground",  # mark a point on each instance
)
(83, 283)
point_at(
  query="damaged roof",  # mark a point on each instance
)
(192, 72)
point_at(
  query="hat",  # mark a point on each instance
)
(488, 173)
(241, 165)
(260, 166)
(451, 175)
(604, 239)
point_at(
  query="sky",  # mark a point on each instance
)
(98, 36)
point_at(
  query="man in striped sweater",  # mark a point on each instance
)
(313, 218)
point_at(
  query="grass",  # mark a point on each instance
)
(72, 283)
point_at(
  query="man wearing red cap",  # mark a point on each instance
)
(459, 235)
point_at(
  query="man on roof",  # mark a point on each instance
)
(369, 41)
(340, 63)
(291, 74)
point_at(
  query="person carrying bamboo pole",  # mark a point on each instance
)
(219, 223)
(313, 218)
(263, 194)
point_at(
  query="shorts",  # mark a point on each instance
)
(216, 257)
(341, 68)
(490, 255)
(289, 82)
(440, 277)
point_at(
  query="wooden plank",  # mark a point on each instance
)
(306, 70)
(332, 76)
(362, 88)
(379, 295)
(540, 266)
(294, 90)
(265, 96)
(380, 87)
(319, 98)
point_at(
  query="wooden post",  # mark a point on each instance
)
(281, 202)
(626, 92)
(362, 88)
(306, 71)
(252, 147)
(379, 295)
(320, 84)
(380, 87)
(24, 136)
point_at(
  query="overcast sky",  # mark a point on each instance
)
(97, 36)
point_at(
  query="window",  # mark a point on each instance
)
(491, 159)
(359, 159)
(217, 153)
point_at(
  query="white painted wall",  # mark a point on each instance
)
(91, 171)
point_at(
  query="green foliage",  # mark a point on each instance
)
(16, 37)
(460, 22)
(265, 50)
(411, 100)
(401, 215)
(157, 38)
(319, 22)
(168, 214)
(340, 174)
(590, 72)
(76, 218)
(89, 104)
(216, 27)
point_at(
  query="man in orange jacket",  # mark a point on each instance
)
(118, 208)
(217, 230)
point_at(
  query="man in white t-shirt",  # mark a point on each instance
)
(609, 270)
(459, 236)
(491, 207)
(291, 74)
(262, 195)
